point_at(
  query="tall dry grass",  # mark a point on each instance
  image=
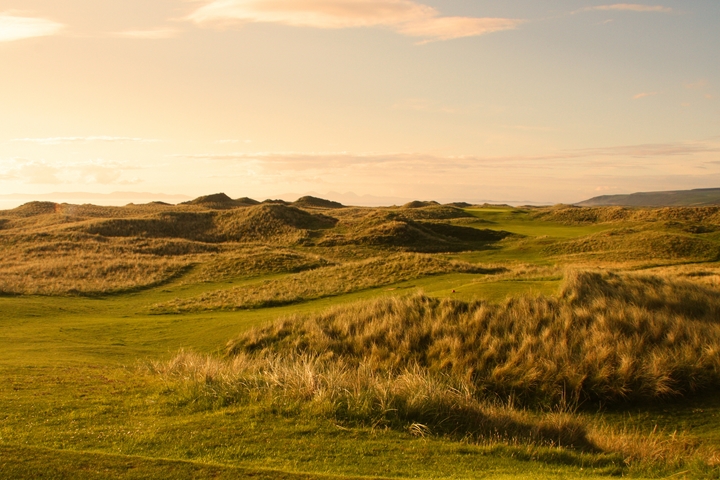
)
(252, 261)
(322, 282)
(413, 399)
(606, 338)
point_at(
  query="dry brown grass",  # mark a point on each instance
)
(622, 245)
(85, 273)
(673, 450)
(253, 261)
(323, 282)
(413, 400)
(607, 338)
(585, 215)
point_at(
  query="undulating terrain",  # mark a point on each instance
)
(227, 337)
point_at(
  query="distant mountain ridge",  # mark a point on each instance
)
(676, 198)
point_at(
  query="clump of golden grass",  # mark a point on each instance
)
(673, 450)
(628, 244)
(85, 274)
(606, 338)
(48, 264)
(255, 261)
(322, 282)
(583, 215)
(413, 399)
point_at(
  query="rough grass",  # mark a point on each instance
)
(628, 244)
(254, 261)
(605, 339)
(413, 400)
(63, 265)
(583, 215)
(322, 282)
(276, 223)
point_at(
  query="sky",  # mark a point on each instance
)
(550, 101)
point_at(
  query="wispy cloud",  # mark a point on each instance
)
(403, 16)
(66, 140)
(423, 105)
(630, 7)
(86, 172)
(699, 85)
(152, 34)
(14, 27)
(232, 140)
(295, 161)
(644, 94)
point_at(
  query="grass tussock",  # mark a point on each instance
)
(622, 245)
(647, 451)
(323, 282)
(414, 400)
(605, 339)
(255, 261)
(586, 215)
(86, 274)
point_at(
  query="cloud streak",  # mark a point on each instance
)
(152, 34)
(643, 95)
(13, 27)
(630, 7)
(71, 140)
(45, 173)
(403, 16)
(295, 161)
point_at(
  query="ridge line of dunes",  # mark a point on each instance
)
(324, 282)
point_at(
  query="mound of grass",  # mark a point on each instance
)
(315, 202)
(432, 212)
(323, 282)
(629, 244)
(215, 201)
(420, 204)
(255, 261)
(572, 215)
(605, 339)
(274, 223)
(85, 274)
(393, 229)
(270, 222)
(31, 209)
(413, 400)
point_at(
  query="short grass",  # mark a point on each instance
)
(78, 400)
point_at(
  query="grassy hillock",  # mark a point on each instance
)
(605, 338)
(315, 202)
(323, 282)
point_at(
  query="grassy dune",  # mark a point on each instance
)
(323, 282)
(605, 338)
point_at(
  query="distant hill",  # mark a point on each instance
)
(677, 198)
